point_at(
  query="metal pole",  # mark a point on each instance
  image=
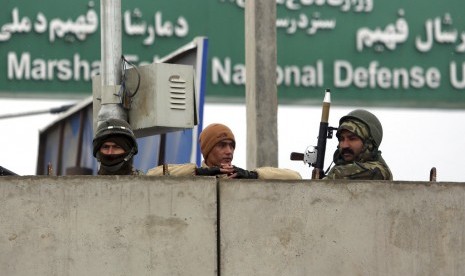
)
(261, 88)
(54, 110)
(110, 67)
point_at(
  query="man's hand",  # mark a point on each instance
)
(243, 174)
(210, 171)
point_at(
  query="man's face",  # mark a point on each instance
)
(222, 153)
(350, 145)
(111, 148)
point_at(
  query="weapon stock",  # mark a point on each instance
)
(297, 156)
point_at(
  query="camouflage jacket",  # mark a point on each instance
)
(369, 170)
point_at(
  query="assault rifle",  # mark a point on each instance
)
(315, 156)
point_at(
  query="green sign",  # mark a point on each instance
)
(368, 52)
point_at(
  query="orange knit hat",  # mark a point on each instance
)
(213, 134)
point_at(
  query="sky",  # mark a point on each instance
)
(414, 141)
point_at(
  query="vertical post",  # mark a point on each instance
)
(261, 88)
(110, 67)
(432, 174)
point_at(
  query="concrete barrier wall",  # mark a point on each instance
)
(342, 228)
(168, 226)
(107, 226)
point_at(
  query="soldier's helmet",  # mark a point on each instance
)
(370, 120)
(113, 127)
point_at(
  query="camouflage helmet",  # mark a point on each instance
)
(369, 119)
(113, 127)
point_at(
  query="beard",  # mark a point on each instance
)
(347, 154)
(347, 151)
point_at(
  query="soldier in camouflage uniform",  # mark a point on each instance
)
(357, 156)
(114, 147)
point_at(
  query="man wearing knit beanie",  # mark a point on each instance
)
(217, 144)
(219, 139)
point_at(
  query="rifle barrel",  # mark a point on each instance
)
(322, 135)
